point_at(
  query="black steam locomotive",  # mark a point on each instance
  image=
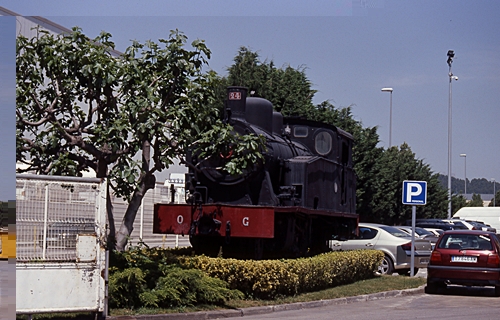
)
(289, 205)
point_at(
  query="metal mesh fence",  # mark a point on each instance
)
(50, 215)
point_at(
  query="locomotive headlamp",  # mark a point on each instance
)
(288, 131)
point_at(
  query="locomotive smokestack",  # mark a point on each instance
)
(236, 101)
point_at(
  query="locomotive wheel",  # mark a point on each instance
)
(259, 249)
(209, 246)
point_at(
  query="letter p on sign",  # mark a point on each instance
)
(414, 192)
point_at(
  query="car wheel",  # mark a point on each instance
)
(432, 287)
(497, 291)
(386, 267)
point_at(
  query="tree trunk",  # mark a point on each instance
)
(127, 226)
(146, 182)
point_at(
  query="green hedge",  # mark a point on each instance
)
(155, 277)
(268, 278)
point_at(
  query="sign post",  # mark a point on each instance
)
(414, 194)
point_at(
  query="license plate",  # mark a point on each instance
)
(463, 259)
(424, 260)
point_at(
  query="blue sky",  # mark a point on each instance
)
(351, 49)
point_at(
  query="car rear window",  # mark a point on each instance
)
(465, 241)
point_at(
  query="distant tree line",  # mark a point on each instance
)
(478, 186)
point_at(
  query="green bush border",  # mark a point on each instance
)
(170, 278)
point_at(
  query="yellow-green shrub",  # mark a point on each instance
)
(269, 278)
(139, 276)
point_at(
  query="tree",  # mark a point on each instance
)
(79, 106)
(495, 200)
(394, 166)
(476, 201)
(457, 202)
(287, 88)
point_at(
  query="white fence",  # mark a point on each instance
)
(61, 232)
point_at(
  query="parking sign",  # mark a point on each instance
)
(415, 192)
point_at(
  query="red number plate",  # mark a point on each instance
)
(235, 95)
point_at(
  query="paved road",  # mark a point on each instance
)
(7, 289)
(454, 303)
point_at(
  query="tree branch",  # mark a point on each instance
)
(29, 123)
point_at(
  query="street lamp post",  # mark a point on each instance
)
(451, 55)
(465, 172)
(390, 115)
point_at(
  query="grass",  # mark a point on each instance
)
(377, 284)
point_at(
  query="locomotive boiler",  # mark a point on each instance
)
(289, 205)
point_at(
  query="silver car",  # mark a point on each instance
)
(395, 243)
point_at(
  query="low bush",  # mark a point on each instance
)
(266, 279)
(168, 278)
(168, 286)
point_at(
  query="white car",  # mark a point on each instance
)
(395, 243)
(435, 231)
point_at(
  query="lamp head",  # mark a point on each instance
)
(451, 55)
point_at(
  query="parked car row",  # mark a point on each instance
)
(475, 225)
(452, 224)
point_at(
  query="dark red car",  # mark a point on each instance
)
(465, 257)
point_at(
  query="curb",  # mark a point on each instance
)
(218, 314)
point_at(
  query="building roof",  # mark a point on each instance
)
(26, 23)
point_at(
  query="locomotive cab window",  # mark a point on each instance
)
(300, 132)
(323, 143)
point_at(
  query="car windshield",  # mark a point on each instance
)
(465, 242)
(395, 231)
